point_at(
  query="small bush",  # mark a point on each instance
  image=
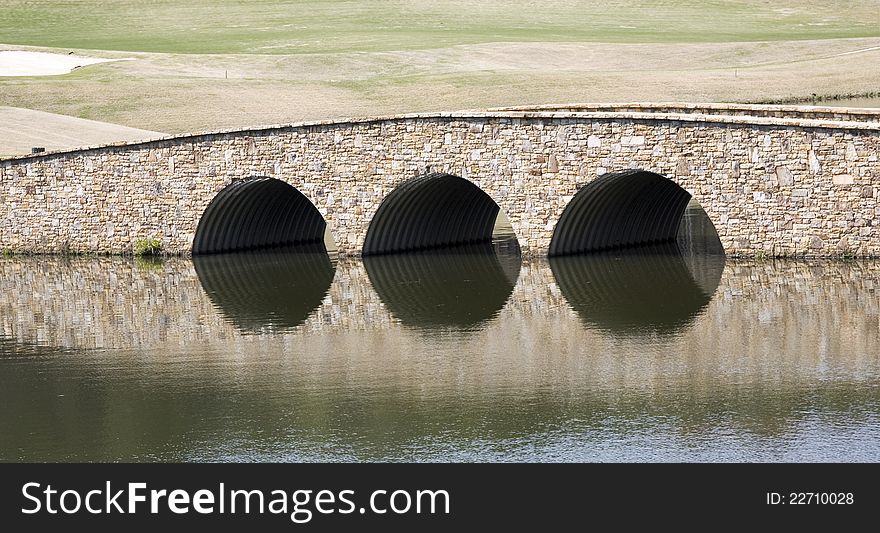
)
(148, 247)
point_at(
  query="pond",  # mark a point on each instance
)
(665, 353)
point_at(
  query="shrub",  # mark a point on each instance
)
(148, 247)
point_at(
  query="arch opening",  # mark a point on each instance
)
(433, 211)
(256, 214)
(623, 210)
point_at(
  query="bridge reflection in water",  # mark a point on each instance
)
(267, 291)
(459, 288)
(657, 289)
(638, 291)
(172, 379)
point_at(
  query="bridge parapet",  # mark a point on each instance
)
(848, 114)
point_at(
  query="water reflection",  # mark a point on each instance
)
(266, 291)
(292, 405)
(12, 348)
(784, 366)
(459, 288)
(649, 290)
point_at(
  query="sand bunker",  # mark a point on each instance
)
(22, 63)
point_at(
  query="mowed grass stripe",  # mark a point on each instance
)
(318, 26)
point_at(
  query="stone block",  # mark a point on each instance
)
(784, 177)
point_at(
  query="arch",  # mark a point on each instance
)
(431, 211)
(619, 210)
(257, 213)
(266, 290)
(643, 291)
(458, 288)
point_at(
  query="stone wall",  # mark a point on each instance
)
(771, 186)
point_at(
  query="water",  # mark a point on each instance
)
(457, 355)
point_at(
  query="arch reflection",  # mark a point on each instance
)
(650, 290)
(459, 288)
(657, 289)
(266, 291)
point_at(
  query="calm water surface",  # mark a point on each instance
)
(464, 355)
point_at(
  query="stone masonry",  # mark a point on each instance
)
(772, 186)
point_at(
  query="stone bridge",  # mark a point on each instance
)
(774, 180)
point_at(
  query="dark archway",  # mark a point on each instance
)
(431, 211)
(255, 214)
(268, 290)
(459, 288)
(620, 210)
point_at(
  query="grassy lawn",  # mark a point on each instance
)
(319, 26)
(211, 64)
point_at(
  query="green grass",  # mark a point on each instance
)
(296, 60)
(315, 26)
